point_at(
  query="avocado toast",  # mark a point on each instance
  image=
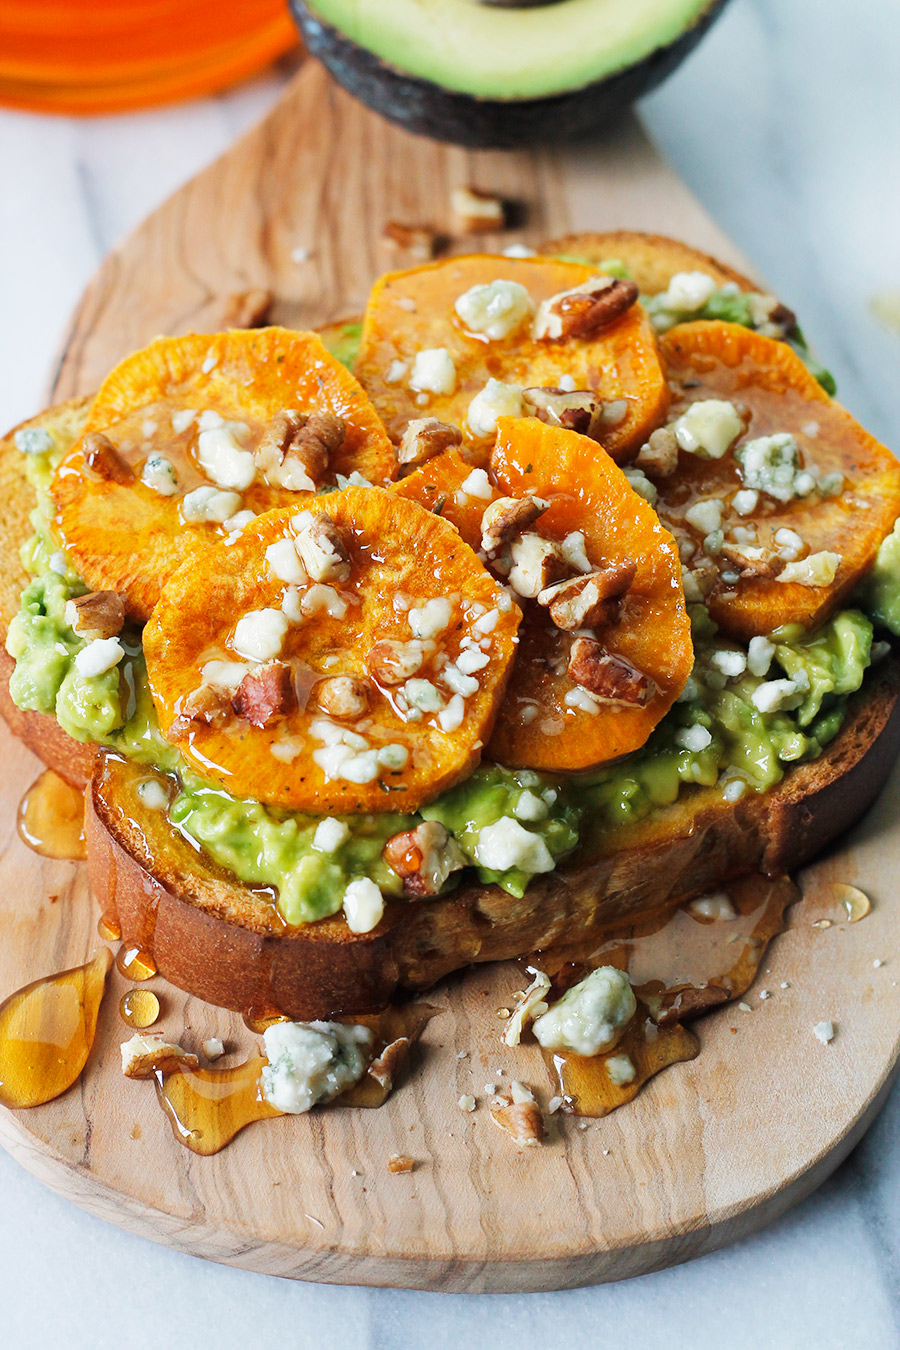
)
(723, 745)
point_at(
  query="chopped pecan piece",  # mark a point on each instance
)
(103, 458)
(295, 448)
(424, 857)
(750, 561)
(771, 317)
(386, 1068)
(206, 704)
(343, 696)
(424, 438)
(590, 600)
(659, 457)
(608, 677)
(506, 518)
(322, 549)
(99, 614)
(477, 212)
(536, 563)
(265, 694)
(398, 1162)
(583, 310)
(520, 1116)
(145, 1055)
(419, 241)
(391, 662)
(578, 410)
(247, 309)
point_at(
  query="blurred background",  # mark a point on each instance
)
(102, 56)
(786, 124)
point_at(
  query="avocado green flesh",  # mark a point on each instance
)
(495, 52)
(264, 846)
(343, 343)
(879, 593)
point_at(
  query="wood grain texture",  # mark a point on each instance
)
(711, 1150)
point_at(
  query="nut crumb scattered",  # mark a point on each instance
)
(466, 1102)
(785, 984)
(213, 1048)
(146, 1055)
(764, 993)
(398, 1162)
(824, 1032)
(519, 1116)
(419, 241)
(745, 1007)
(476, 211)
(878, 963)
(554, 1104)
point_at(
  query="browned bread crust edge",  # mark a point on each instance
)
(210, 935)
(40, 731)
(652, 259)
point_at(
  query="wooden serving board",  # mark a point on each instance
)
(711, 1150)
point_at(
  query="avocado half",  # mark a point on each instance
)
(501, 75)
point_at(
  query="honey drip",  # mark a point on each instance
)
(139, 1008)
(108, 928)
(681, 963)
(586, 1085)
(135, 963)
(208, 1107)
(47, 1030)
(258, 1020)
(51, 818)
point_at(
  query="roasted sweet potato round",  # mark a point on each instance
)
(420, 356)
(580, 698)
(440, 486)
(801, 498)
(189, 438)
(348, 657)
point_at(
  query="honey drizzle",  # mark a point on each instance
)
(47, 1030)
(585, 1084)
(680, 966)
(50, 818)
(206, 1108)
(139, 1008)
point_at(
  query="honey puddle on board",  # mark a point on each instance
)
(47, 1030)
(208, 1107)
(51, 818)
(681, 963)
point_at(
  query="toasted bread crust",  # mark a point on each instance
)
(223, 942)
(652, 259)
(40, 731)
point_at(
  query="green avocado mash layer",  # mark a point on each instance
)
(715, 735)
(731, 727)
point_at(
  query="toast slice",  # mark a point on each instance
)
(226, 943)
(40, 732)
(651, 259)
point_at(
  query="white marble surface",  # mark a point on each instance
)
(787, 125)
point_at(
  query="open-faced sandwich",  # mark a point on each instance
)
(572, 604)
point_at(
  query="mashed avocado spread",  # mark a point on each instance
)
(744, 714)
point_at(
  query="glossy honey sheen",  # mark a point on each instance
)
(50, 819)
(47, 1030)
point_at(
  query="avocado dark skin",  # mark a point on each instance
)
(430, 110)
